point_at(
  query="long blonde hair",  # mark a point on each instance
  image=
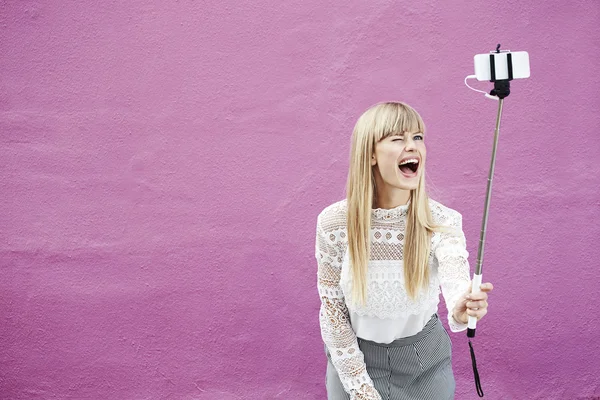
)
(377, 123)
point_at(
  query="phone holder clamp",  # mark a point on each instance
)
(501, 86)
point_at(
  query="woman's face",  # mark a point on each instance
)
(394, 159)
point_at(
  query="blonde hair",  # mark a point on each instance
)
(377, 123)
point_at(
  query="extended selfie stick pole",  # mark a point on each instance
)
(501, 90)
(477, 277)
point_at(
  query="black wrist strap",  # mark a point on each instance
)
(475, 372)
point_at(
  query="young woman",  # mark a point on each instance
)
(383, 253)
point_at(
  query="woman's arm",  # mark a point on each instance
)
(336, 331)
(453, 268)
(453, 272)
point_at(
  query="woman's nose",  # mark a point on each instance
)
(409, 145)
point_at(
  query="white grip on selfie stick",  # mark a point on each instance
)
(475, 288)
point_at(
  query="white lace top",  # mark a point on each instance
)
(389, 313)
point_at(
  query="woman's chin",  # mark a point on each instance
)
(408, 182)
(403, 184)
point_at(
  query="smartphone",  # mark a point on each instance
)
(520, 65)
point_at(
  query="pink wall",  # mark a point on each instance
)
(163, 164)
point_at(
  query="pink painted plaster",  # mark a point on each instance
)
(163, 163)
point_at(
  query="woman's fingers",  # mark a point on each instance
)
(483, 294)
(477, 313)
(477, 296)
(487, 287)
(477, 304)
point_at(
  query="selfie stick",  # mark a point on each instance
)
(501, 90)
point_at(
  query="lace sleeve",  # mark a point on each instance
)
(334, 319)
(453, 268)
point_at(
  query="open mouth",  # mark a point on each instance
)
(409, 167)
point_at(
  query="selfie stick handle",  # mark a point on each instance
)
(477, 277)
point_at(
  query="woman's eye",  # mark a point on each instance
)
(416, 137)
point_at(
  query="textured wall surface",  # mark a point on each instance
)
(163, 163)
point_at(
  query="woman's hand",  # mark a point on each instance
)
(472, 304)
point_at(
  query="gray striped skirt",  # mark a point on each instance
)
(411, 368)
